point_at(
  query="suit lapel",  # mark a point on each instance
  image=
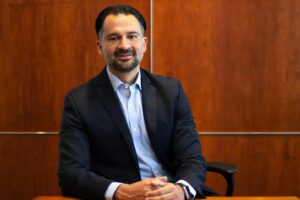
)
(149, 99)
(149, 105)
(107, 95)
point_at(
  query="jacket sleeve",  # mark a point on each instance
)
(75, 177)
(188, 162)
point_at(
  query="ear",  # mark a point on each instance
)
(145, 43)
(99, 47)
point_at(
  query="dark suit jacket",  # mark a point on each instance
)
(96, 147)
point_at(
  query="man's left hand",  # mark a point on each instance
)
(169, 191)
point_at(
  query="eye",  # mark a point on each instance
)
(132, 36)
(112, 38)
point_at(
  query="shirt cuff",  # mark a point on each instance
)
(192, 190)
(110, 191)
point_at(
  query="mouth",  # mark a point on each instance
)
(124, 56)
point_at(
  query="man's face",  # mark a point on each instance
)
(122, 42)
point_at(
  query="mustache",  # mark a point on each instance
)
(124, 51)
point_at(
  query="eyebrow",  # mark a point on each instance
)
(133, 32)
(112, 34)
(117, 34)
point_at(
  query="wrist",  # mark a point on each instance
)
(182, 195)
(123, 192)
(186, 191)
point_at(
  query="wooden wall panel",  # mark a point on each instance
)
(238, 60)
(28, 166)
(268, 164)
(47, 48)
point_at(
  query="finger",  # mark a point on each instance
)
(160, 178)
(167, 196)
(163, 178)
(160, 191)
(158, 183)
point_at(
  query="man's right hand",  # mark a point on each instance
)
(138, 190)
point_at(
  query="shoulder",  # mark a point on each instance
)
(161, 81)
(85, 89)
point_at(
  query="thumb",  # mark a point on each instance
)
(159, 181)
(163, 178)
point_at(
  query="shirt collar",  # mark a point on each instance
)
(116, 82)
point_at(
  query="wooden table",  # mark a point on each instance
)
(252, 198)
(208, 198)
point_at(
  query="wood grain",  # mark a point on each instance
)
(238, 61)
(267, 164)
(28, 166)
(47, 48)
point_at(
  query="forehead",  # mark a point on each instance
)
(121, 22)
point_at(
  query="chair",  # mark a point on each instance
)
(227, 171)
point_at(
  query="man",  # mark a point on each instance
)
(128, 134)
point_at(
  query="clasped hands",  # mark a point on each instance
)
(150, 189)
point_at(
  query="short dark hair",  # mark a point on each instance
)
(115, 10)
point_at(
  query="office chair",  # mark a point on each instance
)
(227, 171)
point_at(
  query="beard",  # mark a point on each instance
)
(125, 67)
(116, 65)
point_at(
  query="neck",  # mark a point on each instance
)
(126, 77)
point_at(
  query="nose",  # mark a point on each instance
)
(124, 43)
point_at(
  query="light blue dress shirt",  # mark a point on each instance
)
(130, 97)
